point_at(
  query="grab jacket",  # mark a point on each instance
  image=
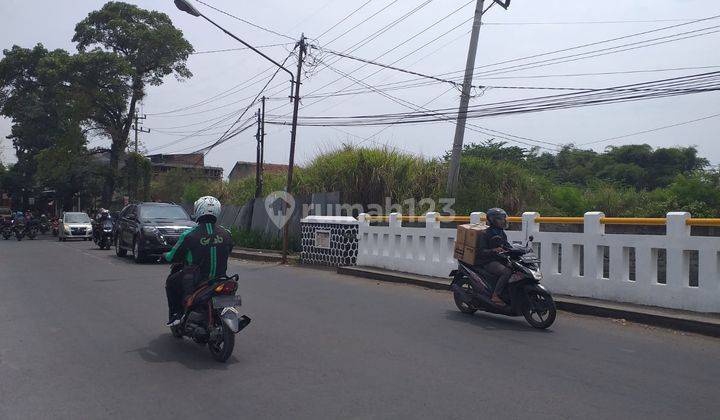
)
(206, 246)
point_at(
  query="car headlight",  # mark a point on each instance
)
(67, 229)
(150, 230)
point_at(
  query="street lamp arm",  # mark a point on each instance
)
(292, 77)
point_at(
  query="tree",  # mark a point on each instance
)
(67, 168)
(36, 92)
(151, 47)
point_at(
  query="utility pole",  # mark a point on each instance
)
(136, 172)
(138, 129)
(454, 169)
(258, 164)
(293, 135)
(262, 145)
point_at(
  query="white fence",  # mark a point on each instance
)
(675, 270)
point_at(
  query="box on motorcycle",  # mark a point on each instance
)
(467, 241)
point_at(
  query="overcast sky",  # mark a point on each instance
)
(529, 27)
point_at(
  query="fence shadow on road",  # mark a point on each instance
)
(168, 349)
(489, 321)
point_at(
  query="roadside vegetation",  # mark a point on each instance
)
(623, 181)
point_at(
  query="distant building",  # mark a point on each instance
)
(247, 169)
(193, 162)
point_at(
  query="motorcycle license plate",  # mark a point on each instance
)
(226, 301)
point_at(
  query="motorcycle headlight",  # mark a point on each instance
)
(150, 230)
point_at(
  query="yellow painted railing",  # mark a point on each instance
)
(644, 221)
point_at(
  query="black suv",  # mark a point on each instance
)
(149, 229)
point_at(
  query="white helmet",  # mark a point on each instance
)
(207, 206)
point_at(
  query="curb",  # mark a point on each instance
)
(263, 256)
(704, 324)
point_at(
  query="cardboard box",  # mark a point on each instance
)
(459, 251)
(470, 234)
(469, 255)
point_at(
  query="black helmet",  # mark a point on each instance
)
(497, 217)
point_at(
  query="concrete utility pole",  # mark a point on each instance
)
(454, 169)
(258, 179)
(296, 98)
(262, 144)
(136, 172)
(138, 129)
(260, 158)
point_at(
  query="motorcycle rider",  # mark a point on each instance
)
(100, 217)
(490, 251)
(203, 250)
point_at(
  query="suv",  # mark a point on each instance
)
(149, 229)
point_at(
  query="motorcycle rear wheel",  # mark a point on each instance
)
(539, 309)
(222, 350)
(462, 305)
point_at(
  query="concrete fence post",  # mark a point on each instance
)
(476, 217)
(593, 231)
(431, 220)
(395, 221)
(529, 226)
(364, 219)
(677, 270)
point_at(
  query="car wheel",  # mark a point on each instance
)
(138, 255)
(118, 250)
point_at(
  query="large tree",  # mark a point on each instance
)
(36, 93)
(151, 47)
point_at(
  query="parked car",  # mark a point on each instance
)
(149, 229)
(75, 225)
(5, 213)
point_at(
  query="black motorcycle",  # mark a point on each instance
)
(212, 316)
(6, 230)
(102, 233)
(31, 230)
(524, 295)
(44, 226)
(19, 229)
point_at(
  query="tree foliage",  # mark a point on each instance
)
(129, 48)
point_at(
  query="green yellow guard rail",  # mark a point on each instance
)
(645, 221)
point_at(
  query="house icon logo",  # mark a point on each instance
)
(279, 206)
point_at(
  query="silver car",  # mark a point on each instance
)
(75, 225)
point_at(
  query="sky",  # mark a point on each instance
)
(184, 116)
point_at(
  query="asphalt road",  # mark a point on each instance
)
(82, 336)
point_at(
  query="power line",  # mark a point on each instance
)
(241, 48)
(706, 82)
(247, 21)
(390, 67)
(652, 130)
(588, 22)
(348, 16)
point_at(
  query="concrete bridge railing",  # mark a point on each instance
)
(673, 270)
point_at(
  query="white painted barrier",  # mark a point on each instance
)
(589, 264)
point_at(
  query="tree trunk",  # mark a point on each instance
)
(119, 144)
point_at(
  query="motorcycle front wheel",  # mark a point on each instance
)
(539, 309)
(221, 349)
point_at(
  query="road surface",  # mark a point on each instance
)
(82, 336)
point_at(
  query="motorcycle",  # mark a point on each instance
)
(7, 230)
(472, 289)
(19, 230)
(212, 316)
(31, 231)
(102, 233)
(44, 226)
(55, 227)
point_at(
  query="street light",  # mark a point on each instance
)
(187, 7)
